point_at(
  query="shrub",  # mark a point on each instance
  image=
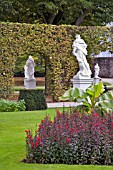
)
(90, 99)
(11, 106)
(34, 99)
(72, 139)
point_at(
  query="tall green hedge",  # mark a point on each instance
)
(54, 43)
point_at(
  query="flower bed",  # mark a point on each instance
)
(72, 139)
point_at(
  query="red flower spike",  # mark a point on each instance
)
(38, 140)
(37, 144)
(58, 113)
(55, 139)
(67, 140)
(42, 121)
(51, 121)
(47, 117)
(72, 130)
(46, 136)
(58, 127)
(51, 133)
(76, 130)
(96, 114)
(27, 131)
(66, 126)
(30, 137)
(32, 145)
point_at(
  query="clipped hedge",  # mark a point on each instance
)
(34, 99)
(54, 43)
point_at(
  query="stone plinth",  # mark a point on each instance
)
(30, 84)
(82, 83)
(97, 80)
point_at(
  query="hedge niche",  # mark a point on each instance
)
(34, 99)
(54, 43)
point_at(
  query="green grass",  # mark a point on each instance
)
(12, 142)
(17, 88)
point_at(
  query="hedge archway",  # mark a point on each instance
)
(54, 43)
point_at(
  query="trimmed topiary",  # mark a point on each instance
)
(34, 99)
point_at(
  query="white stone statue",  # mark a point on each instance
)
(29, 69)
(97, 69)
(79, 50)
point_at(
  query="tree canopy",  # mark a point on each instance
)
(56, 12)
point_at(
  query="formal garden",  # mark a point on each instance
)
(34, 136)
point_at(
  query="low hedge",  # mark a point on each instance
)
(34, 99)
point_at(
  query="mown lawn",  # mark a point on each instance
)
(12, 142)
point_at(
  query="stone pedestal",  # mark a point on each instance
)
(30, 84)
(97, 80)
(82, 83)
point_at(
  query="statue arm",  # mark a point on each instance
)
(74, 52)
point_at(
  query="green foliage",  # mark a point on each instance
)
(11, 106)
(92, 93)
(72, 94)
(54, 44)
(18, 88)
(74, 12)
(34, 99)
(5, 8)
(105, 101)
(77, 94)
(92, 99)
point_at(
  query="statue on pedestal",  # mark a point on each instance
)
(79, 50)
(29, 80)
(97, 79)
(97, 69)
(29, 69)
